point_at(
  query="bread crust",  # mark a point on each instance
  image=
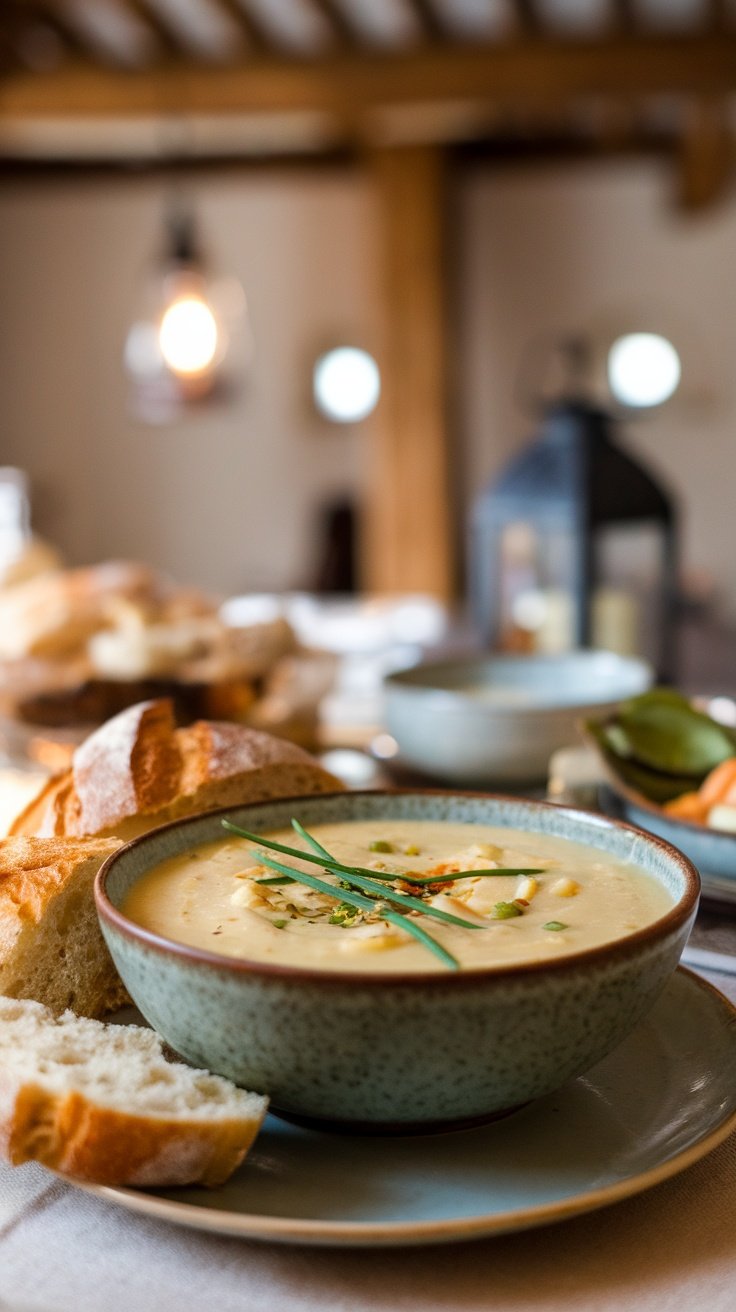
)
(51, 946)
(81, 1139)
(138, 770)
(32, 870)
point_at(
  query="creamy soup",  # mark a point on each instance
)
(579, 897)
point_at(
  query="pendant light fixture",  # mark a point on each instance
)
(189, 343)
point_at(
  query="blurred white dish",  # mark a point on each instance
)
(498, 719)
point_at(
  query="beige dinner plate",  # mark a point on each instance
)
(657, 1104)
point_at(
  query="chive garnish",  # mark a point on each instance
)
(310, 840)
(381, 891)
(371, 904)
(554, 924)
(338, 867)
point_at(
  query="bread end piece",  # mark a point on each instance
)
(51, 945)
(138, 771)
(101, 1104)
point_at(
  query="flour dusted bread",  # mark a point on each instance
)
(138, 771)
(51, 947)
(101, 1103)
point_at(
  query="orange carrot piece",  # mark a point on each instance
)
(689, 806)
(716, 786)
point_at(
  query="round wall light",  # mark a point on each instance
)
(643, 369)
(346, 384)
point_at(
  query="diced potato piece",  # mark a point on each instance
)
(565, 887)
(370, 938)
(489, 851)
(484, 895)
(454, 907)
(247, 895)
(527, 888)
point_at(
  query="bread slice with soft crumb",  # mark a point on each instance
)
(101, 1103)
(51, 947)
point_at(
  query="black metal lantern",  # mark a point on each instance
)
(576, 545)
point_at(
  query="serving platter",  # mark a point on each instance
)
(662, 1100)
(712, 851)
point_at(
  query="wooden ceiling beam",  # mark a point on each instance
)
(168, 40)
(46, 13)
(526, 13)
(719, 16)
(343, 32)
(430, 21)
(259, 39)
(625, 15)
(502, 76)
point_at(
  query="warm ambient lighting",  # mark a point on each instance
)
(188, 336)
(347, 384)
(643, 369)
(189, 343)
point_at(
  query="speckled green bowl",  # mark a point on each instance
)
(398, 1052)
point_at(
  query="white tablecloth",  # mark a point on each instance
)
(672, 1248)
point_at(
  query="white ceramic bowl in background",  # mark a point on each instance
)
(498, 719)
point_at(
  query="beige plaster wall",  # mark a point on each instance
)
(227, 498)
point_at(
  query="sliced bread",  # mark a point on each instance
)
(51, 947)
(101, 1103)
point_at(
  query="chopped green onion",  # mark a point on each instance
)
(380, 845)
(554, 924)
(411, 850)
(278, 924)
(506, 911)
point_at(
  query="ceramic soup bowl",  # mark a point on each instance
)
(392, 1052)
(484, 720)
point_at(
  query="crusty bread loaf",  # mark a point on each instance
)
(138, 770)
(52, 615)
(101, 1103)
(51, 947)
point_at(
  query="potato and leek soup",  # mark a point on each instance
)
(395, 896)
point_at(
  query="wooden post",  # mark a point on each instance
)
(707, 154)
(408, 535)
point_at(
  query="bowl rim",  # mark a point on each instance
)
(457, 698)
(642, 803)
(618, 949)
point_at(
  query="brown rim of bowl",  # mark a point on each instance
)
(677, 916)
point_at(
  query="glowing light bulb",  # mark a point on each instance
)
(188, 336)
(643, 369)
